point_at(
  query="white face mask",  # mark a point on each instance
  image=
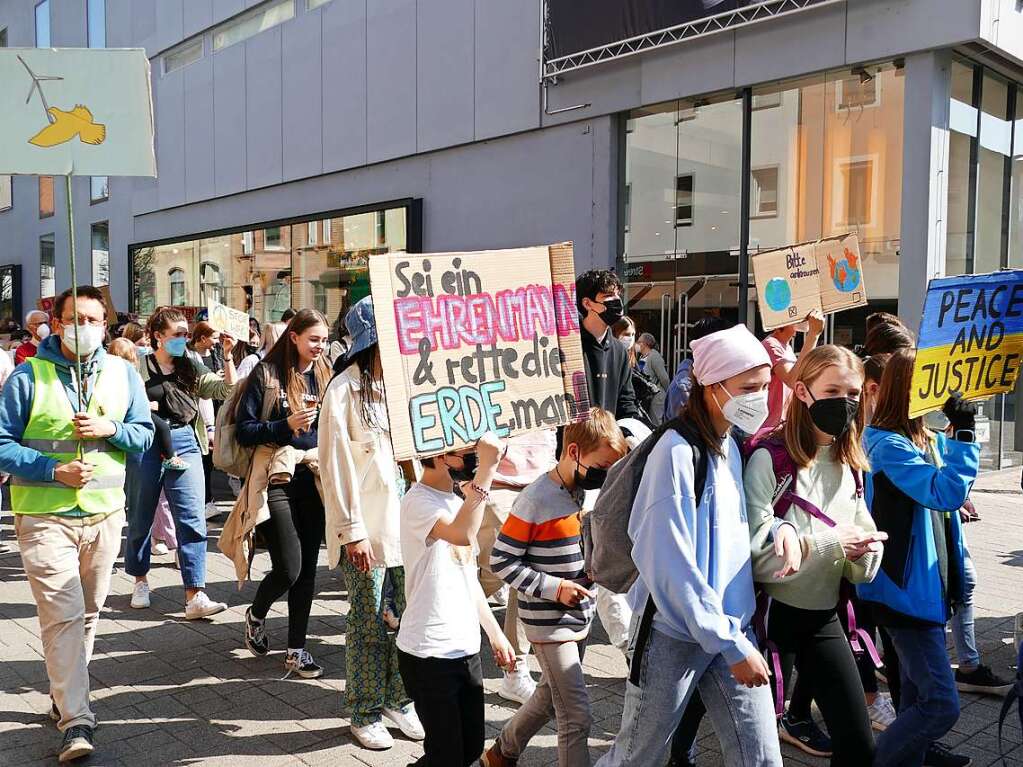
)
(43, 331)
(747, 411)
(89, 338)
(627, 341)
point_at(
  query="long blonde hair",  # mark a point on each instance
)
(798, 431)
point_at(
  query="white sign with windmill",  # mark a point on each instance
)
(83, 112)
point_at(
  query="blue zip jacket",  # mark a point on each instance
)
(134, 435)
(916, 501)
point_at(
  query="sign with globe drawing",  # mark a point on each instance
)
(826, 276)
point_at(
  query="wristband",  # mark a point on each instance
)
(479, 491)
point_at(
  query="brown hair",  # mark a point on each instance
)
(201, 331)
(887, 337)
(892, 410)
(184, 368)
(621, 327)
(696, 413)
(873, 367)
(84, 291)
(125, 349)
(283, 358)
(798, 431)
(881, 318)
(133, 332)
(599, 429)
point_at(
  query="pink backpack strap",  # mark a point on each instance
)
(785, 471)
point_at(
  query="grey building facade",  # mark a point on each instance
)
(295, 138)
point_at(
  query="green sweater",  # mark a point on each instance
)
(831, 487)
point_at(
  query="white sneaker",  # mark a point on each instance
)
(881, 712)
(211, 510)
(373, 736)
(407, 721)
(201, 606)
(500, 597)
(517, 686)
(140, 595)
(160, 549)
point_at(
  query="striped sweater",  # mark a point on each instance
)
(539, 545)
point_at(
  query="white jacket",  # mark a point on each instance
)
(358, 473)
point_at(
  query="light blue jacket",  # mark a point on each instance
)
(133, 435)
(695, 562)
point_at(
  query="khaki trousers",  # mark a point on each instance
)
(494, 515)
(68, 563)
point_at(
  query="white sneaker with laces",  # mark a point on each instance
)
(881, 712)
(211, 510)
(518, 685)
(373, 736)
(407, 721)
(140, 595)
(201, 606)
(160, 549)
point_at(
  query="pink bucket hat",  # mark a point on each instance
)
(725, 354)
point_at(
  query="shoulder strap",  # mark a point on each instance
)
(785, 471)
(689, 433)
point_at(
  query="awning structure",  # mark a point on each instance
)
(582, 33)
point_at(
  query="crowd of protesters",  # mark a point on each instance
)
(795, 535)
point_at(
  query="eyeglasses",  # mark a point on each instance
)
(83, 321)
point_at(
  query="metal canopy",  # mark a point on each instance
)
(663, 38)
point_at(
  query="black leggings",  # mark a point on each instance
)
(293, 535)
(813, 640)
(448, 694)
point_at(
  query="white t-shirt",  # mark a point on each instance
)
(440, 618)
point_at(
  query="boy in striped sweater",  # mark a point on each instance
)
(539, 553)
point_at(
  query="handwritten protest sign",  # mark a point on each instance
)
(476, 342)
(970, 340)
(227, 320)
(826, 276)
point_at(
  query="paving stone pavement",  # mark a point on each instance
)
(171, 692)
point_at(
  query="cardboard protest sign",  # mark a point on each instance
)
(477, 342)
(227, 320)
(83, 112)
(970, 340)
(826, 276)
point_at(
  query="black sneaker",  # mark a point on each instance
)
(938, 755)
(982, 680)
(806, 736)
(255, 635)
(77, 743)
(302, 663)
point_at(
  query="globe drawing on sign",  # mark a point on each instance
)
(778, 294)
(845, 272)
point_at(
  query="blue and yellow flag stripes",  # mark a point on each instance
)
(970, 341)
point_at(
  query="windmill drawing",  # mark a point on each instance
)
(63, 125)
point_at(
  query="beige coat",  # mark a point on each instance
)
(358, 473)
(251, 508)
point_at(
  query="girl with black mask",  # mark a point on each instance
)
(825, 516)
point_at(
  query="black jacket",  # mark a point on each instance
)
(609, 376)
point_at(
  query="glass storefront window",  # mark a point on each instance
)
(263, 272)
(995, 146)
(1016, 196)
(962, 132)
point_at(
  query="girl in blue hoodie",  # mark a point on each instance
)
(695, 585)
(919, 482)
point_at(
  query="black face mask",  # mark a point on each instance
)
(468, 470)
(613, 311)
(833, 415)
(593, 479)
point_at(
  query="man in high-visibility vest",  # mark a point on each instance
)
(67, 467)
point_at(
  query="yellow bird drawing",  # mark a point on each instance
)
(64, 126)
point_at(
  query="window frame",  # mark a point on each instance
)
(52, 265)
(172, 283)
(241, 18)
(92, 251)
(180, 49)
(683, 222)
(93, 200)
(88, 23)
(49, 24)
(53, 202)
(840, 190)
(759, 213)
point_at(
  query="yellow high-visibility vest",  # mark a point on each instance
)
(50, 430)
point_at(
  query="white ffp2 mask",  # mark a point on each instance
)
(747, 411)
(89, 338)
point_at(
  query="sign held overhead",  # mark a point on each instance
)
(824, 276)
(477, 342)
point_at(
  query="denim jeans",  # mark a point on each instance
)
(929, 705)
(185, 492)
(670, 671)
(962, 621)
